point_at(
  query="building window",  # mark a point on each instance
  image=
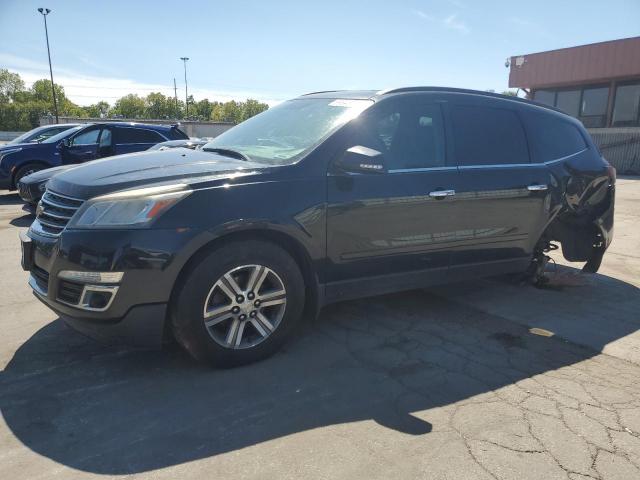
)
(593, 109)
(626, 109)
(588, 104)
(547, 97)
(569, 102)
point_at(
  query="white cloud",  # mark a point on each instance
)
(450, 22)
(426, 16)
(453, 23)
(87, 89)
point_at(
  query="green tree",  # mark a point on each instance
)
(41, 91)
(155, 105)
(253, 107)
(97, 110)
(10, 85)
(130, 106)
(510, 93)
(203, 109)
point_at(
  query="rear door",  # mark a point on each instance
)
(134, 139)
(389, 231)
(502, 194)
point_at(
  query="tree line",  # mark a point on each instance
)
(21, 107)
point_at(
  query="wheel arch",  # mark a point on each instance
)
(313, 294)
(17, 168)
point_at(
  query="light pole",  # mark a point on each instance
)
(186, 92)
(45, 12)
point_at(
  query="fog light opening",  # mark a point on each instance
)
(97, 298)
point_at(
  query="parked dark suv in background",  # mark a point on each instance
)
(78, 145)
(40, 134)
(330, 196)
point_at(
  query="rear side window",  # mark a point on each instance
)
(488, 136)
(177, 134)
(552, 138)
(137, 135)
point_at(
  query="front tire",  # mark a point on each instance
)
(24, 171)
(238, 304)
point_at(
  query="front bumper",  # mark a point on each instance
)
(31, 192)
(150, 259)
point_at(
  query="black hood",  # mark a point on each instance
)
(46, 174)
(178, 165)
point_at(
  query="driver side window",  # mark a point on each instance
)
(410, 136)
(89, 137)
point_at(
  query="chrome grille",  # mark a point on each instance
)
(24, 191)
(55, 211)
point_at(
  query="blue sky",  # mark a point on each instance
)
(273, 50)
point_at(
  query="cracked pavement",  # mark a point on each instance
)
(447, 383)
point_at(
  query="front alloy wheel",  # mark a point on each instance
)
(245, 306)
(237, 303)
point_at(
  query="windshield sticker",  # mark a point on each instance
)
(341, 102)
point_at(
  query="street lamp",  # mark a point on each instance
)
(186, 93)
(45, 12)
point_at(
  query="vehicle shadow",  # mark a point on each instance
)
(23, 221)
(391, 359)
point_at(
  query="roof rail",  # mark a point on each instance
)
(468, 91)
(321, 91)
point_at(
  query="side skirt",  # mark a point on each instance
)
(382, 284)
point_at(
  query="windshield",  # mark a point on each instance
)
(24, 137)
(285, 133)
(62, 135)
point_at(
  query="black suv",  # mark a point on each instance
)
(330, 196)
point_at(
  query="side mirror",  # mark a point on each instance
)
(64, 143)
(361, 159)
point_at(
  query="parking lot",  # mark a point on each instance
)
(487, 379)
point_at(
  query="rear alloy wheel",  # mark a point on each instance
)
(238, 303)
(245, 306)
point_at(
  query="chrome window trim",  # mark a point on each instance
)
(476, 167)
(422, 169)
(139, 128)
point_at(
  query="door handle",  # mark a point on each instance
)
(87, 153)
(442, 193)
(536, 188)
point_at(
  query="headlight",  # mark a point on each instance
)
(132, 208)
(8, 152)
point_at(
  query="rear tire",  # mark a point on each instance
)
(251, 295)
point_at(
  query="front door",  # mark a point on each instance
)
(391, 231)
(83, 147)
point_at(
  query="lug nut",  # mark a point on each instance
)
(243, 317)
(250, 296)
(253, 313)
(239, 299)
(235, 309)
(257, 303)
